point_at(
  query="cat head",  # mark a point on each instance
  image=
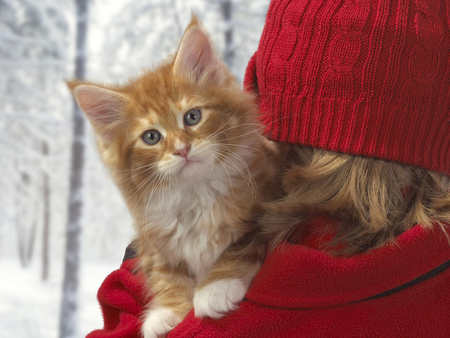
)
(182, 120)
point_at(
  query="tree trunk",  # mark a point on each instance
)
(26, 229)
(226, 8)
(46, 225)
(19, 223)
(69, 307)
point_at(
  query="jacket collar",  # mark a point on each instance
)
(297, 276)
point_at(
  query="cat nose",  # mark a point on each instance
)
(183, 152)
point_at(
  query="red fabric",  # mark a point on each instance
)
(122, 300)
(304, 292)
(361, 77)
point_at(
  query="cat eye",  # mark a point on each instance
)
(151, 137)
(192, 117)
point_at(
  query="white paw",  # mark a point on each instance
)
(216, 299)
(158, 322)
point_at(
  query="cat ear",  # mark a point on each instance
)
(103, 107)
(197, 57)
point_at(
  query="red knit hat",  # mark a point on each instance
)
(361, 77)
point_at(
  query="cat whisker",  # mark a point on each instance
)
(248, 179)
(150, 197)
(226, 153)
(138, 187)
(166, 187)
(143, 110)
(224, 125)
(128, 176)
(144, 184)
(132, 169)
(157, 187)
(245, 134)
(251, 183)
(241, 145)
(229, 120)
(237, 126)
(228, 173)
(261, 127)
(249, 147)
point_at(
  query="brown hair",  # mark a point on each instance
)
(371, 199)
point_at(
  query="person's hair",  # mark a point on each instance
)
(372, 200)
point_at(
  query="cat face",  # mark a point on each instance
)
(179, 123)
(185, 132)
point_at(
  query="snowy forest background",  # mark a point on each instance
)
(41, 42)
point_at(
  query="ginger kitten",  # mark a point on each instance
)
(183, 144)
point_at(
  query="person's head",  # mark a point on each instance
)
(361, 91)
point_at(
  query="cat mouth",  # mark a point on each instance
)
(188, 163)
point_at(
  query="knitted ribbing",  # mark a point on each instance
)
(364, 77)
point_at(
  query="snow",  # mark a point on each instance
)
(37, 51)
(29, 308)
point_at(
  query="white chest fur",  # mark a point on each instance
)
(192, 218)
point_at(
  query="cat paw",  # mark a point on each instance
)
(216, 299)
(158, 322)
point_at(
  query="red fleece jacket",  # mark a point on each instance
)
(399, 290)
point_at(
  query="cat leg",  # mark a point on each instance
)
(171, 289)
(229, 278)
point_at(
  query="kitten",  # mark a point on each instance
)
(184, 145)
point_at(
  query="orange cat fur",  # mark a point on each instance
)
(184, 146)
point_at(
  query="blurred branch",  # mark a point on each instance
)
(27, 63)
(24, 39)
(33, 157)
(16, 100)
(36, 134)
(19, 148)
(38, 117)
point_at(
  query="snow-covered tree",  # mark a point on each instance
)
(68, 323)
(33, 62)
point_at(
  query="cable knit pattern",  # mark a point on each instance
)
(365, 77)
(423, 66)
(344, 52)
